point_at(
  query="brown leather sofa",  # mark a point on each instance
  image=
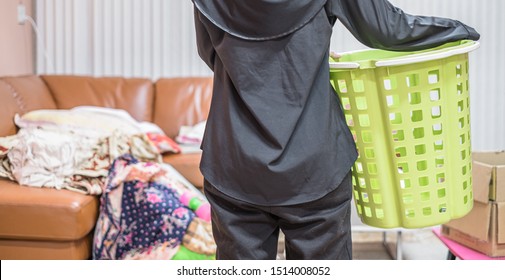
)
(44, 223)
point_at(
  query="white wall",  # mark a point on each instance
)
(154, 38)
(16, 43)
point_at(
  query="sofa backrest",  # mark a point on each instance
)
(19, 95)
(136, 96)
(170, 102)
(181, 101)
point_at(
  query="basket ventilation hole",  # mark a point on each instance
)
(418, 132)
(416, 115)
(462, 139)
(395, 118)
(374, 183)
(403, 168)
(459, 88)
(401, 152)
(393, 100)
(414, 98)
(368, 211)
(410, 213)
(422, 165)
(342, 85)
(359, 167)
(346, 104)
(425, 196)
(390, 83)
(458, 71)
(377, 198)
(435, 94)
(433, 77)
(461, 106)
(362, 183)
(408, 199)
(412, 80)
(369, 153)
(364, 197)
(372, 168)
(364, 120)
(437, 129)
(420, 150)
(436, 112)
(379, 213)
(361, 103)
(405, 184)
(366, 136)
(439, 145)
(423, 181)
(398, 135)
(349, 120)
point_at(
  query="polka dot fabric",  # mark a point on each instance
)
(139, 215)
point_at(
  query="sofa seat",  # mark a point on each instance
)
(45, 223)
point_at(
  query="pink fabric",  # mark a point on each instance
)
(461, 251)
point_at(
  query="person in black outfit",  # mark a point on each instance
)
(277, 152)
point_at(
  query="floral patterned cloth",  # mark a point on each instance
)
(141, 216)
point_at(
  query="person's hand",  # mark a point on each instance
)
(334, 55)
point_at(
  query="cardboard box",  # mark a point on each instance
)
(488, 176)
(483, 229)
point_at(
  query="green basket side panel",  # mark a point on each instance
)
(412, 129)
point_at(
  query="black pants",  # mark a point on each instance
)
(318, 229)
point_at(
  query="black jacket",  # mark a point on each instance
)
(275, 133)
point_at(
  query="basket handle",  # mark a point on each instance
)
(433, 55)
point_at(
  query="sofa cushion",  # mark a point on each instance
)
(19, 95)
(133, 95)
(181, 101)
(14, 249)
(45, 214)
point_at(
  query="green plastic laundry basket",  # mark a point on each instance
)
(410, 117)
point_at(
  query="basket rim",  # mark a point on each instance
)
(465, 46)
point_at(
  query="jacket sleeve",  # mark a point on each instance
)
(379, 24)
(203, 41)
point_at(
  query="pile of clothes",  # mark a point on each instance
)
(145, 212)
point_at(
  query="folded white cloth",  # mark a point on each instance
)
(191, 134)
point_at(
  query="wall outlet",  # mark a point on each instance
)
(21, 14)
